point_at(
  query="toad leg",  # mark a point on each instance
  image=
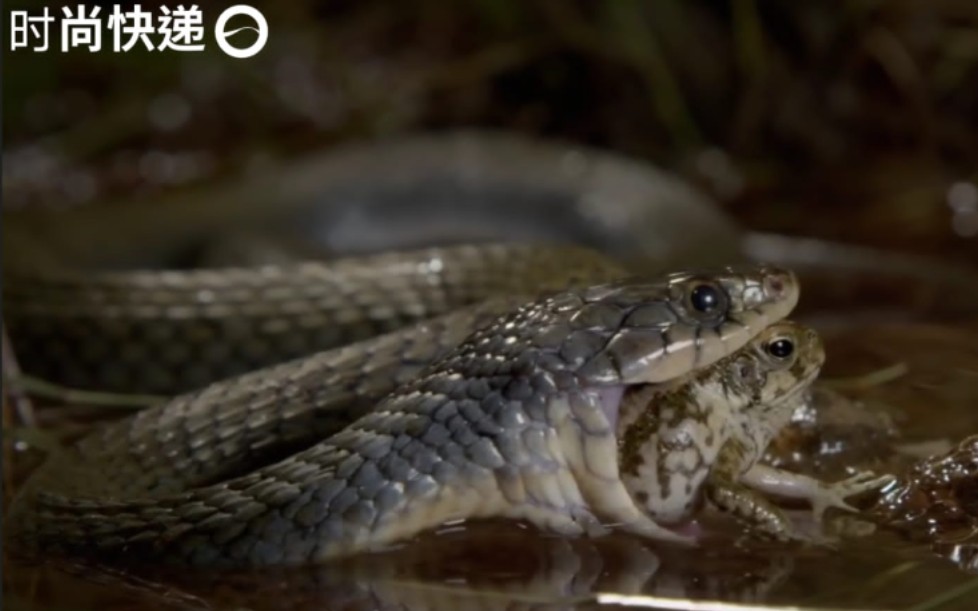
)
(724, 489)
(819, 494)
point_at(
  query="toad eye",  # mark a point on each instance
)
(781, 348)
(707, 298)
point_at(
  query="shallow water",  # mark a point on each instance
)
(493, 565)
(925, 399)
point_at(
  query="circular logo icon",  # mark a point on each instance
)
(222, 35)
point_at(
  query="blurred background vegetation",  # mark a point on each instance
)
(849, 119)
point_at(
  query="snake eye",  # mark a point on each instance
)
(707, 298)
(781, 348)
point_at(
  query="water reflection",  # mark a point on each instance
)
(499, 566)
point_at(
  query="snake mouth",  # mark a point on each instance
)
(657, 354)
(610, 398)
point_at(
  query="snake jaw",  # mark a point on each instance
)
(757, 299)
(588, 447)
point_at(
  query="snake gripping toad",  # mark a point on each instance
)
(620, 405)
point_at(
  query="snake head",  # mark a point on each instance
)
(656, 331)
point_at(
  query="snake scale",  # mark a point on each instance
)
(160, 332)
(503, 396)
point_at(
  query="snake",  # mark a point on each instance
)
(463, 381)
(516, 421)
(105, 281)
(100, 297)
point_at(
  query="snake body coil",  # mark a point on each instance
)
(98, 297)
